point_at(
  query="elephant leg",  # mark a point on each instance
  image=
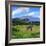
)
(31, 29)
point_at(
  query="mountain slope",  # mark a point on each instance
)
(30, 18)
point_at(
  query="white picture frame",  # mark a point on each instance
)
(10, 41)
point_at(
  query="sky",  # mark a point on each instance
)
(18, 11)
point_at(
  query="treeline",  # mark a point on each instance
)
(22, 22)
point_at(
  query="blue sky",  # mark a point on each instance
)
(18, 12)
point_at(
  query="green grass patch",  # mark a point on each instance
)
(20, 31)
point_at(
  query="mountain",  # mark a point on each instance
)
(29, 19)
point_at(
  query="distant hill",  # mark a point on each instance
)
(28, 19)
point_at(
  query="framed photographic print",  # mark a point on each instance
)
(25, 22)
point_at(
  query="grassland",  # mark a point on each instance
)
(20, 31)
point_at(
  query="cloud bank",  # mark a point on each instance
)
(24, 11)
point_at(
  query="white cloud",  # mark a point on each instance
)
(25, 10)
(38, 16)
(17, 11)
(20, 10)
(31, 13)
